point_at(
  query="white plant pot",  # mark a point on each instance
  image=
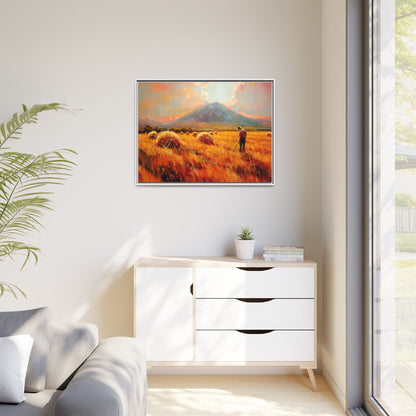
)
(245, 249)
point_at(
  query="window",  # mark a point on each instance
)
(392, 197)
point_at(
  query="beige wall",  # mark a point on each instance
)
(334, 232)
(88, 54)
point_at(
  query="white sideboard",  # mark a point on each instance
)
(225, 311)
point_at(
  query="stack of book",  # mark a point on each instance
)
(279, 253)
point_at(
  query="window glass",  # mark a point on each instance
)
(394, 206)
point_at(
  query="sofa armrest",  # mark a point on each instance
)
(111, 382)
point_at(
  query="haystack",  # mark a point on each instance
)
(168, 139)
(152, 135)
(205, 138)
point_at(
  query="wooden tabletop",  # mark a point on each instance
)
(229, 261)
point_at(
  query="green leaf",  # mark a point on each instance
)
(13, 289)
(245, 234)
(3, 130)
(26, 187)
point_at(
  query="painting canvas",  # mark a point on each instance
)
(205, 132)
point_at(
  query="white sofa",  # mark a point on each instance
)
(84, 377)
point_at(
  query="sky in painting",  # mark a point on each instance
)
(167, 101)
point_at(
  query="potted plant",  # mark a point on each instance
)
(25, 189)
(245, 244)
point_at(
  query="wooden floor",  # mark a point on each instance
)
(235, 395)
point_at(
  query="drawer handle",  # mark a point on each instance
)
(254, 331)
(255, 269)
(191, 289)
(255, 300)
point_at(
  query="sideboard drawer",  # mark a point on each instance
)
(233, 346)
(237, 314)
(277, 282)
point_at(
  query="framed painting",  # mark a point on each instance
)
(216, 132)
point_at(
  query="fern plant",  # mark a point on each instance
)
(25, 181)
(245, 234)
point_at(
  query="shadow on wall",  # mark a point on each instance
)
(112, 305)
(116, 306)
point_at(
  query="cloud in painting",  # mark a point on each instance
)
(252, 99)
(166, 101)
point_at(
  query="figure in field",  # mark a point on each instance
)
(242, 134)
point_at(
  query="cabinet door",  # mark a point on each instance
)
(164, 312)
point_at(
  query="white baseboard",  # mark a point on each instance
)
(334, 387)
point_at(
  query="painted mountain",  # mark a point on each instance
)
(143, 122)
(213, 116)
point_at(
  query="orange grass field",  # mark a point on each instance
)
(195, 162)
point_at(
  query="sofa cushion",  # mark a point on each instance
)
(36, 404)
(70, 346)
(34, 322)
(14, 358)
(111, 382)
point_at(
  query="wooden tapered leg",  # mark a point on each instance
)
(312, 378)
